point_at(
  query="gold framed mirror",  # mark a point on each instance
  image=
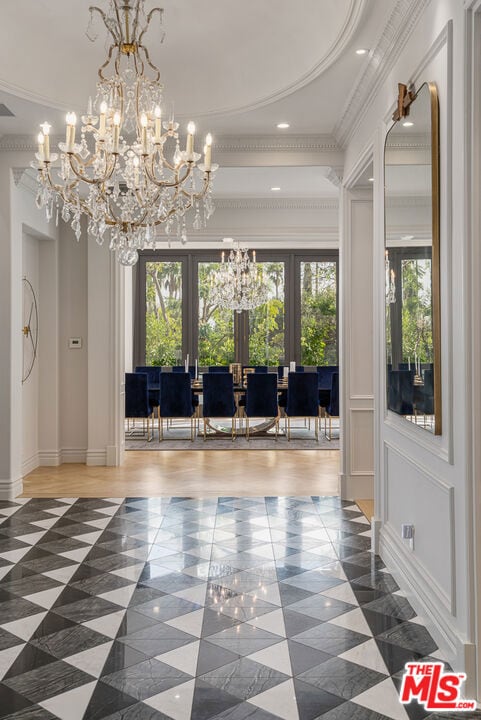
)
(412, 259)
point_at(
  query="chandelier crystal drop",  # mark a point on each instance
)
(239, 284)
(127, 172)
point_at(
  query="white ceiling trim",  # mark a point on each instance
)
(246, 143)
(276, 204)
(390, 44)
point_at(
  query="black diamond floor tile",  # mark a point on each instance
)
(214, 582)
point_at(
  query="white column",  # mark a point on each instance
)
(356, 345)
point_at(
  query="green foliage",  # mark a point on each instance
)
(417, 336)
(318, 313)
(163, 313)
(216, 325)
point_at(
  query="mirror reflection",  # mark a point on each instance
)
(412, 263)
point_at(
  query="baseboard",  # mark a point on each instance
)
(10, 489)
(356, 486)
(113, 454)
(49, 458)
(73, 455)
(423, 594)
(96, 457)
(30, 464)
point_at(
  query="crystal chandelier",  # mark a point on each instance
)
(239, 284)
(128, 173)
(390, 281)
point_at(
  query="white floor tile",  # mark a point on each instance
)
(121, 596)
(8, 657)
(183, 658)
(383, 698)
(342, 592)
(32, 538)
(91, 661)
(194, 594)
(129, 573)
(367, 654)
(273, 622)
(176, 703)
(190, 623)
(279, 700)
(46, 598)
(25, 627)
(276, 657)
(15, 556)
(108, 624)
(77, 555)
(63, 575)
(353, 620)
(72, 704)
(89, 538)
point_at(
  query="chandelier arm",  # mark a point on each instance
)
(164, 184)
(150, 63)
(91, 181)
(148, 21)
(93, 8)
(119, 21)
(106, 64)
(201, 193)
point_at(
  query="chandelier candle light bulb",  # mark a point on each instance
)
(70, 133)
(144, 123)
(103, 112)
(190, 141)
(158, 124)
(116, 133)
(41, 145)
(46, 143)
(208, 152)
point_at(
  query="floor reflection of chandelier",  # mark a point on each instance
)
(239, 284)
(127, 173)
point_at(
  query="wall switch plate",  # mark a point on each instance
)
(75, 343)
(407, 533)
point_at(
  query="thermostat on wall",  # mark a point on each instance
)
(75, 343)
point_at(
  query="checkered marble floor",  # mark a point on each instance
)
(175, 608)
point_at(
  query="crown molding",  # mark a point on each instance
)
(271, 235)
(275, 143)
(276, 204)
(26, 179)
(393, 38)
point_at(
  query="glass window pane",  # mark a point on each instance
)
(216, 325)
(318, 313)
(417, 332)
(266, 322)
(163, 313)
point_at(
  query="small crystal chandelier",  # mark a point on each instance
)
(239, 284)
(390, 281)
(128, 173)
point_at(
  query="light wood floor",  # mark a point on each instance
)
(194, 474)
(367, 507)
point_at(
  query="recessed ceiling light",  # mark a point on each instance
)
(227, 240)
(407, 237)
(283, 125)
(371, 179)
(275, 189)
(408, 123)
(362, 51)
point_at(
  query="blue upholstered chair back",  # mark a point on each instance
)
(333, 407)
(324, 375)
(218, 393)
(175, 395)
(302, 395)
(181, 369)
(218, 369)
(261, 368)
(401, 391)
(136, 396)
(152, 372)
(261, 395)
(426, 402)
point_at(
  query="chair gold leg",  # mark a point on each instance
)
(205, 429)
(288, 429)
(316, 421)
(192, 426)
(247, 429)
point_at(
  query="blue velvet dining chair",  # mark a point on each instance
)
(218, 398)
(401, 392)
(424, 396)
(153, 379)
(218, 368)
(302, 399)
(137, 405)
(176, 400)
(181, 369)
(332, 410)
(261, 399)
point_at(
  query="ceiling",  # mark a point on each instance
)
(236, 68)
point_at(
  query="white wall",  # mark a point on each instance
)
(420, 478)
